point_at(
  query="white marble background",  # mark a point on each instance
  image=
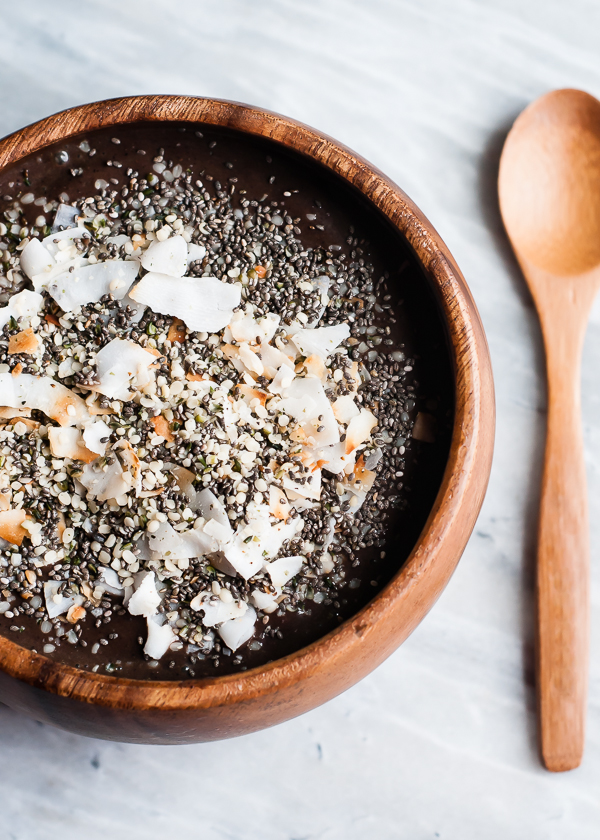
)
(440, 741)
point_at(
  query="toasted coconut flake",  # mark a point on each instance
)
(238, 631)
(67, 442)
(35, 259)
(93, 435)
(25, 341)
(196, 377)
(75, 613)
(91, 282)
(177, 331)
(250, 393)
(204, 304)
(363, 478)
(323, 341)
(345, 409)
(168, 257)
(43, 394)
(7, 413)
(305, 400)
(359, 429)
(24, 304)
(117, 364)
(278, 503)
(11, 526)
(284, 569)
(161, 427)
(160, 638)
(145, 599)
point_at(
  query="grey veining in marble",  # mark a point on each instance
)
(439, 741)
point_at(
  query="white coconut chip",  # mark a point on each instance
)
(217, 611)
(93, 435)
(168, 544)
(56, 603)
(110, 581)
(204, 304)
(117, 364)
(282, 380)
(53, 243)
(264, 601)
(103, 483)
(89, 283)
(145, 599)
(66, 217)
(44, 394)
(284, 569)
(323, 341)
(237, 631)
(244, 327)
(24, 304)
(311, 489)
(195, 252)
(35, 259)
(167, 257)
(41, 281)
(160, 638)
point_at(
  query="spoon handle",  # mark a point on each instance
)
(563, 547)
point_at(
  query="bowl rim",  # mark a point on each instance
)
(466, 474)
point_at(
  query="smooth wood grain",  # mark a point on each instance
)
(207, 709)
(549, 188)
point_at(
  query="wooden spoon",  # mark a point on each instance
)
(549, 186)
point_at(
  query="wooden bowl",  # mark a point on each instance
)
(115, 708)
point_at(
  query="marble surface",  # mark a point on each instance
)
(440, 741)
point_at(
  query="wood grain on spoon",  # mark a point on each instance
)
(549, 186)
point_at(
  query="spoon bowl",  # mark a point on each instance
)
(549, 190)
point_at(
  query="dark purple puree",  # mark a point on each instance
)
(224, 159)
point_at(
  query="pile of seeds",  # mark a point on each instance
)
(201, 418)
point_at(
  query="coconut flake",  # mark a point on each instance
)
(24, 304)
(284, 569)
(204, 304)
(359, 429)
(194, 252)
(66, 217)
(167, 257)
(217, 611)
(35, 259)
(94, 433)
(145, 599)
(117, 364)
(345, 409)
(305, 400)
(160, 638)
(67, 442)
(56, 603)
(44, 394)
(237, 631)
(264, 601)
(91, 282)
(323, 341)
